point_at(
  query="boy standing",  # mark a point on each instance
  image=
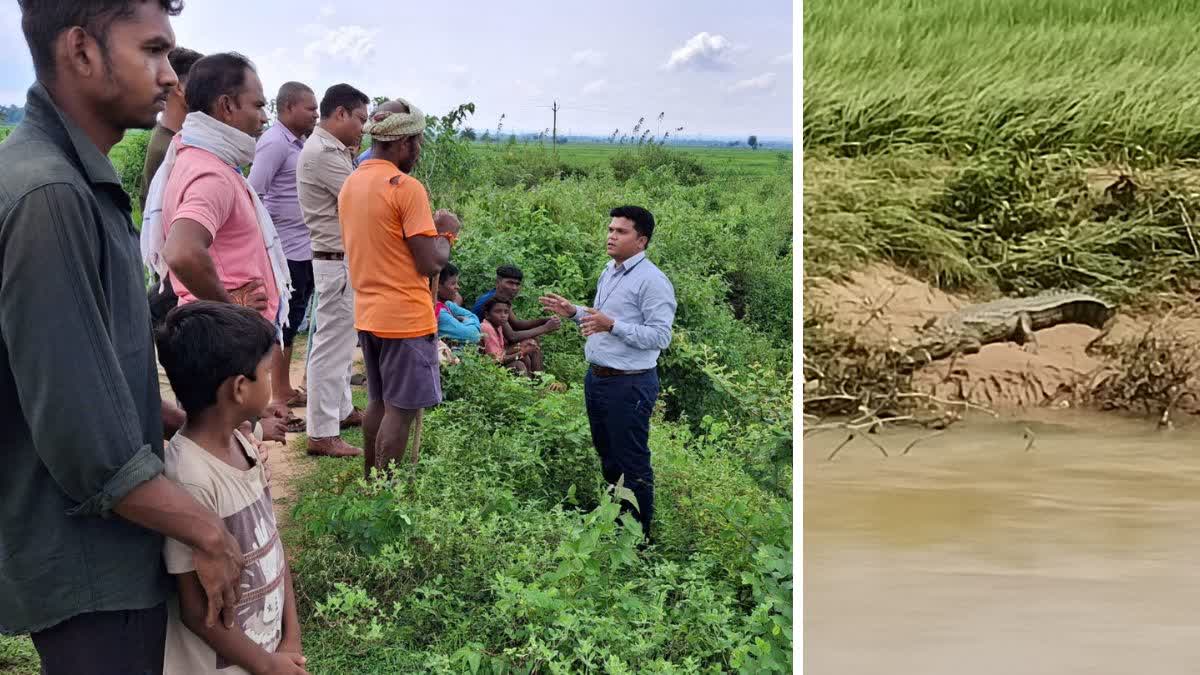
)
(218, 357)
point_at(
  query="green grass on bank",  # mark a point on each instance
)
(971, 143)
(960, 75)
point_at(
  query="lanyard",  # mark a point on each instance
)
(624, 273)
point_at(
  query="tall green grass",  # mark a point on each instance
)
(961, 75)
(1005, 222)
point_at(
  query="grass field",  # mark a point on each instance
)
(735, 160)
(970, 142)
(962, 75)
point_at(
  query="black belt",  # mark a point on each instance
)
(324, 255)
(601, 371)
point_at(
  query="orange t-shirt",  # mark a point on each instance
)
(380, 207)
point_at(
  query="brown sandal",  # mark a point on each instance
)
(299, 400)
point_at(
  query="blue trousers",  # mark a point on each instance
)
(619, 410)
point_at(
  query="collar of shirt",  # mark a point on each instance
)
(628, 265)
(288, 135)
(42, 113)
(329, 140)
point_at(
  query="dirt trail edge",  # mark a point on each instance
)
(290, 462)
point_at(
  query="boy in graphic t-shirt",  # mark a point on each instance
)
(218, 358)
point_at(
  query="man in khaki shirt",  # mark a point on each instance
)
(325, 162)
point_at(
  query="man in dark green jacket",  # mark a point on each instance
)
(83, 502)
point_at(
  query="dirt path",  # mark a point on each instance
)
(289, 462)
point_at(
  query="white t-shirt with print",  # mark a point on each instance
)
(243, 501)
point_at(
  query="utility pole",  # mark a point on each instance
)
(554, 136)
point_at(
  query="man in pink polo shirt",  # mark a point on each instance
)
(215, 247)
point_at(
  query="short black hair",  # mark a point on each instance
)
(288, 93)
(643, 220)
(214, 76)
(182, 59)
(492, 302)
(450, 270)
(43, 20)
(342, 96)
(509, 272)
(202, 344)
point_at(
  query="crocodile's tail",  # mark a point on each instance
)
(1089, 313)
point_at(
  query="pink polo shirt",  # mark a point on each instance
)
(207, 190)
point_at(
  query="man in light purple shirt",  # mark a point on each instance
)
(273, 176)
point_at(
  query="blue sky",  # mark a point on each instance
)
(715, 68)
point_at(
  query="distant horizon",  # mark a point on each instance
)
(683, 136)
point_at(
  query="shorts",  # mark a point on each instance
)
(402, 372)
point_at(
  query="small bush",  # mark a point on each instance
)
(129, 159)
(655, 158)
(1150, 373)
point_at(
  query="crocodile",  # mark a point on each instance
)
(1008, 320)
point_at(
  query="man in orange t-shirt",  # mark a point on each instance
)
(394, 244)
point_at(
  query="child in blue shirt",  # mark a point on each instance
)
(455, 323)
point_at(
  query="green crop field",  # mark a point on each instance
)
(970, 74)
(735, 160)
(970, 142)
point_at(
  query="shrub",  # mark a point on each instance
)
(129, 159)
(503, 553)
(655, 158)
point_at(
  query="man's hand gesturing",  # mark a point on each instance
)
(556, 304)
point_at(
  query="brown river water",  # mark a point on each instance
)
(973, 555)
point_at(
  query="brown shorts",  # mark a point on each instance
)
(402, 372)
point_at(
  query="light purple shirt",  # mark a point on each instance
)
(273, 176)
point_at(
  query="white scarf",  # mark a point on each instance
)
(236, 149)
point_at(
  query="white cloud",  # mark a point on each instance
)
(327, 11)
(782, 59)
(764, 82)
(281, 65)
(595, 87)
(353, 44)
(704, 51)
(588, 57)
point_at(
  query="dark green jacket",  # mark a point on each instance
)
(80, 416)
